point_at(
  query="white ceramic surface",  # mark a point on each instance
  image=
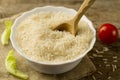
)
(46, 67)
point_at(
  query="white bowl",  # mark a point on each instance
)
(46, 67)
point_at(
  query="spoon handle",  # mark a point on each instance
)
(85, 5)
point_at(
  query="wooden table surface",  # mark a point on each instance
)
(105, 57)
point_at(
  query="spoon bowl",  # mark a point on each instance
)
(72, 25)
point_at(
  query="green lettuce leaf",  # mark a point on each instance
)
(6, 33)
(10, 64)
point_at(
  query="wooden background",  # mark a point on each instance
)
(105, 57)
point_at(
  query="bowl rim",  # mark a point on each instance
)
(14, 44)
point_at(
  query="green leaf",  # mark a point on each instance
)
(10, 64)
(6, 33)
(8, 24)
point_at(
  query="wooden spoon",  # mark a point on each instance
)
(72, 25)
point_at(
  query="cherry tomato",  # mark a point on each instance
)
(108, 33)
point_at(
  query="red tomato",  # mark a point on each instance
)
(108, 33)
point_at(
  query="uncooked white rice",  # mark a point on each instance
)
(39, 42)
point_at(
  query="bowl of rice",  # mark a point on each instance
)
(51, 51)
